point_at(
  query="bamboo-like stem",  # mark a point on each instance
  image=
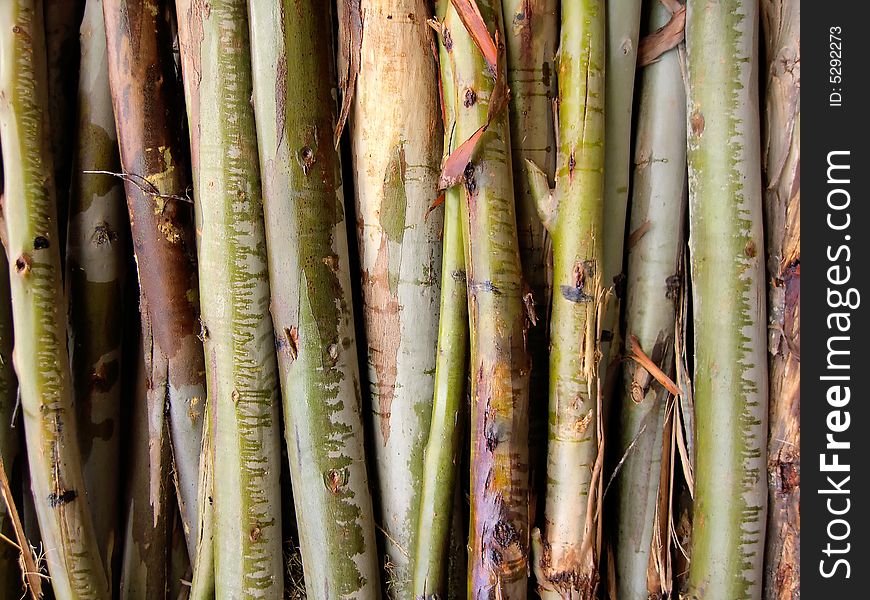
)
(311, 301)
(781, 162)
(141, 74)
(727, 250)
(623, 24)
(145, 540)
(96, 262)
(234, 284)
(532, 28)
(499, 361)
(39, 309)
(573, 213)
(396, 147)
(435, 520)
(655, 243)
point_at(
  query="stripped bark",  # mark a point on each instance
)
(781, 163)
(96, 264)
(436, 521)
(726, 246)
(141, 74)
(310, 276)
(499, 361)
(236, 327)
(145, 551)
(396, 144)
(573, 214)
(653, 280)
(532, 28)
(38, 307)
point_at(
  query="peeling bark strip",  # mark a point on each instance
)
(725, 207)
(350, 34)
(396, 147)
(567, 561)
(96, 262)
(657, 212)
(499, 362)
(436, 514)
(39, 309)
(145, 536)
(781, 27)
(663, 39)
(311, 300)
(141, 74)
(239, 339)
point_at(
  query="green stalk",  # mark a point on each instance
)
(532, 36)
(142, 78)
(234, 284)
(39, 309)
(396, 147)
(657, 212)
(96, 262)
(726, 246)
(311, 304)
(781, 27)
(573, 214)
(623, 24)
(499, 361)
(435, 519)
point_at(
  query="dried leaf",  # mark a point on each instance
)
(637, 354)
(667, 37)
(438, 202)
(470, 16)
(454, 167)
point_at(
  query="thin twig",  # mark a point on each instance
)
(135, 179)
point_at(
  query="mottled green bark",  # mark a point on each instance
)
(499, 362)
(39, 309)
(96, 262)
(781, 161)
(654, 247)
(434, 515)
(573, 214)
(236, 327)
(727, 250)
(395, 133)
(311, 301)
